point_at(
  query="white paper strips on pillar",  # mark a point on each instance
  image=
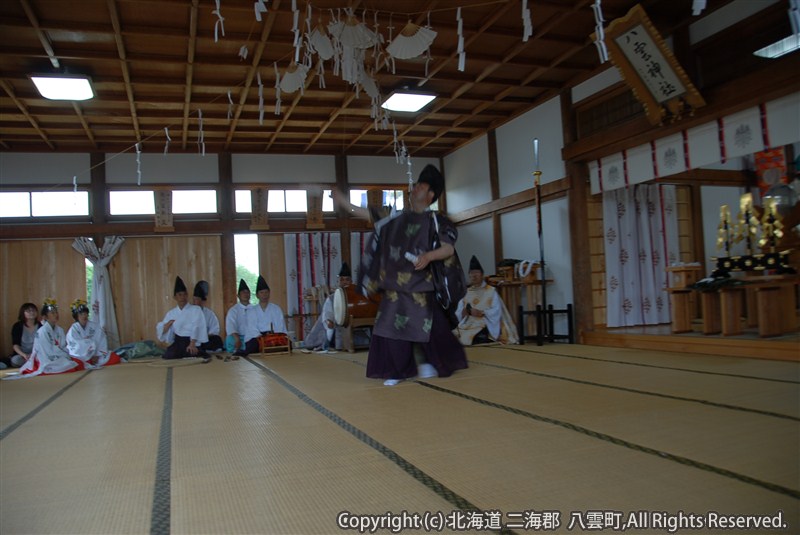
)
(220, 24)
(698, 6)
(462, 56)
(527, 25)
(259, 8)
(138, 164)
(600, 36)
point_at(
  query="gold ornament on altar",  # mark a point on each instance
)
(724, 229)
(747, 225)
(771, 225)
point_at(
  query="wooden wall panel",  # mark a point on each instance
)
(272, 265)
(33, 270)
(143, 278)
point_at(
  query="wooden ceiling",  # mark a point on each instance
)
(156, 64)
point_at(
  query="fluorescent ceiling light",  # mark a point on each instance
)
(63, 86)
(779, 48)
(407, 101)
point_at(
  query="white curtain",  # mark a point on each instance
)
(641, 241)
(102, 304)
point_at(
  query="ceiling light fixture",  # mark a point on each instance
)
(63, 86)
(406, 100)
(780, 48)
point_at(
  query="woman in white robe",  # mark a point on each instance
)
(49, 355)
(86, 340)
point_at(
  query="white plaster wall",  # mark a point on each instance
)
(477, 239)
(158, 168)
(596, 83)
(24, 168)
(384, 169)
(515, 148)
(283, 168)
(467, 176)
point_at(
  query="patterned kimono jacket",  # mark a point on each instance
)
(496, 318)
(405, 312)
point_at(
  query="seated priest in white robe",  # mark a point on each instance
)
(323, 335)
(199, 298)
(86, 340)
(183, 327)
(483, 317)
(49, 355)
(263, 318)
(236, 321)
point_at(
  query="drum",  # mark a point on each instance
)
(272, 340)
(347, 302)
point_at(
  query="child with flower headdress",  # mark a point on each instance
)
(49, 355)
(86, 340)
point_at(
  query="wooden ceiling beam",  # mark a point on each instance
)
(85, 124)
(48, 47)
(21, 106)
(187, 95)
(126, 75)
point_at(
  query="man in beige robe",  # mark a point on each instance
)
(483, 317)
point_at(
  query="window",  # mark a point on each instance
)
(358, 197)
(194, 201)
(139, 202)
(327, 201)
(393, 198)
(290, 200)
(243, 201)
(59, 203)
(15, 204)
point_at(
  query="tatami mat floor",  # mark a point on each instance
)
(532, 437)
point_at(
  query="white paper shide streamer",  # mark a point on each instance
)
(600, 36)
(201, 139)
(277, 89)
(220, 24)
(230, 106)
(259, 8)
(794, 16)
(260, 99)
(166, 145)
(698, 6)
(527, 25)
(462, 56)
(138, 164)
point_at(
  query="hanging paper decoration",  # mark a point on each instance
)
(260, 99)
(259, 8)
(527, 26)
(296, 31)
(408, 172)
(294, 78)
(138, 164)
(230, 105)
(166, 145)
(243, 52)
(794, 16)
(75, 183)
(698, 6)
(201, 139)
(277, 89)
(600, 40)
(321, 43)
(354, 33)
(220, 24)
(411, 42)
(462, 56)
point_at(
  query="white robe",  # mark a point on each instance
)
(49, 353)
(189, 321)
(496, 318)
(267, 319)
(236, 320)
(212, 323)
(84, 343)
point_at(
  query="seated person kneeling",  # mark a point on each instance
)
(199, 297)
(86, 340)
(183, 327)
(322, 334)
(483, 316)
(263, 318)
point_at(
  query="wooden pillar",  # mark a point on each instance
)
(577, 198)
(226, 211)
(343, 185)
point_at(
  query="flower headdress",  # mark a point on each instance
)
(79, 305)
(49, 304)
